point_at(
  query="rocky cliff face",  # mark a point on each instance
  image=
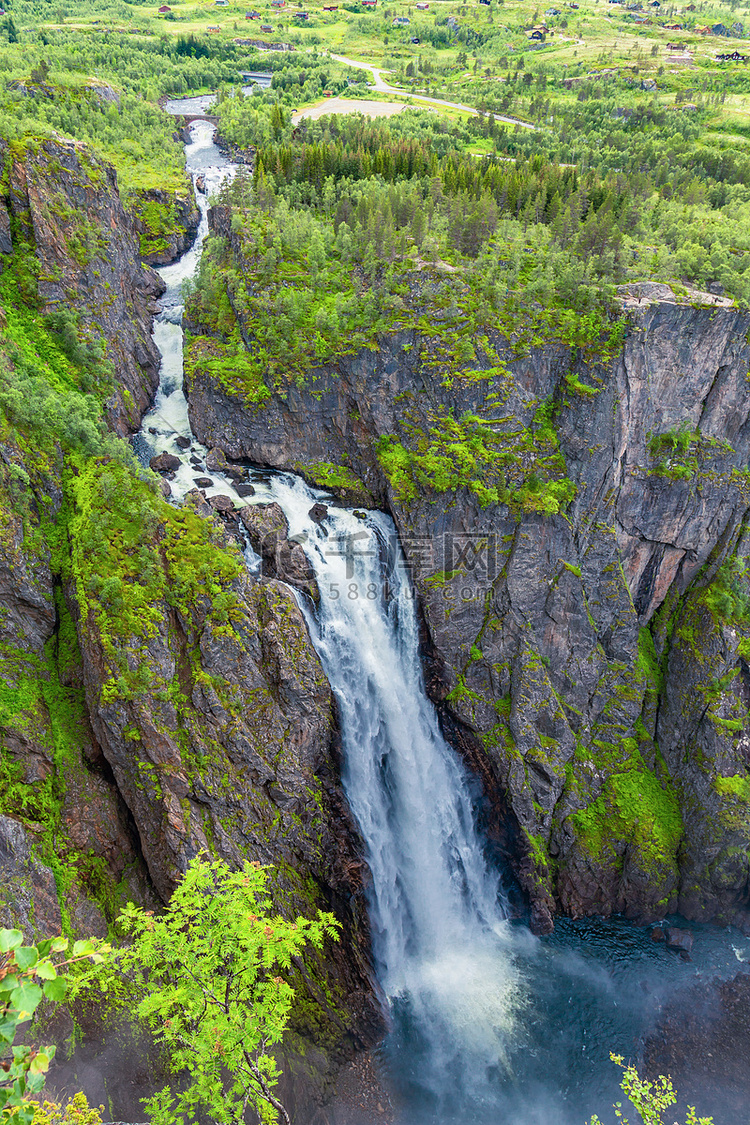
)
(77, 255)
(574, 519)
(154, 699)
(165, 223)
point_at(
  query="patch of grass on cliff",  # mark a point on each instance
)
(633, 809)
(228, 364)
(337, 478)
(159, 222)
(133, 557)
(737, 786)
(728, 595)
(523, 468)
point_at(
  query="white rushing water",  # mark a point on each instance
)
(440, 935)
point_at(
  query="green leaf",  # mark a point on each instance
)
(7, 984)
(26, 956)
(25, 999)
(55, 989)
(45, 970)
(84, 948)
(59, 944)
(10, 939)
(8, 1029)
(40, 1063)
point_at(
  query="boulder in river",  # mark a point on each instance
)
(182, 441)
(203, 482)
(164, 462)
(216, 461)
(197, 501)
(318, 513)
(679, 939)
(221, 503)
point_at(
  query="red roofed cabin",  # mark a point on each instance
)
(369, 3)
(164, 8)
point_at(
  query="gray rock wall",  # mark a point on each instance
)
(560, 638)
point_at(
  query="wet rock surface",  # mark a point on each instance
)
(282, 558)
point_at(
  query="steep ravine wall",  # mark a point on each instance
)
(154, 699)
(594, 655)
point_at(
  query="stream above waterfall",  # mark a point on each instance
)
(488, 1022)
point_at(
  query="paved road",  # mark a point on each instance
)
(385, 88)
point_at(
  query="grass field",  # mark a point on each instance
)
(466, 52)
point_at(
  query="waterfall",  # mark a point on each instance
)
(441, 939)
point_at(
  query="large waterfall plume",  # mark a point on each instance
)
(441, 939)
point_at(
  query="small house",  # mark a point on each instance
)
(330, 7)
(369, 3)
(423, 6)
(221, 3)
(537, 35)
(213, 27)
(164, 9)
(266, 27)
(401, 21)
(301, 15)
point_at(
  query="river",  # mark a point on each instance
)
(490, 1024)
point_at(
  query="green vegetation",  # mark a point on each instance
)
(208, 977)
(30, 974)
(650, 1100)
(737, 786)
(76, 1112)
(499, 464)
(637, 808)
(728, 595)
